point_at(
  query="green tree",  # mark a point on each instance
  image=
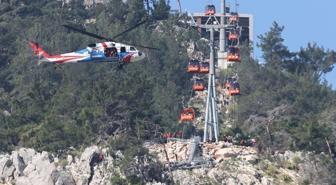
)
(275, 53)
(161, 9)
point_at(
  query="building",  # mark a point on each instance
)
(246, 34)
(245, 22)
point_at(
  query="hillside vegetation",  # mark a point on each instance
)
(50, 108)
(295, 81)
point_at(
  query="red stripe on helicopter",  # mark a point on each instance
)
(65, 59)
(127, 58)
(104, 44)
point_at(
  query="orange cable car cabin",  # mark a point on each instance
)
(233, 54)
(233, 89)
(167, 135)
(233, 36)
(187, 115)
(210, 9)
(227, 85)
(178, 134)
(229, 82)
(198, 85)
(233, 18)
(204, 67)
(193, 66)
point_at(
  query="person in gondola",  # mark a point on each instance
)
(114, 52)
(108, 52)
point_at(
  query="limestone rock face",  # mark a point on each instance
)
(193, 52)
(178, 151)
(232, 164)
(89, 169)
(38, 170)
(170, 151)
(81, 170)
(28, 167)
(62, 178)
(18, 163)
(88, 3)
(6, 169)
(27, 154)
(229, 164)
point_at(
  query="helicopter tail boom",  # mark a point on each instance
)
(38, 50)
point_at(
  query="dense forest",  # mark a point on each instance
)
(293, 80)
(72, 105)
(52, 108)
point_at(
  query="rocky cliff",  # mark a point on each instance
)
(166, 163)
(28, 167)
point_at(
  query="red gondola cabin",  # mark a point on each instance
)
(233, 36)
(227, 85)
(229, 82)
(233, 54)
(210, 10)
(198, 85)
(167, 135)
(234, 18)
(193, 66)
(232, 88)
(187, 115)
(204, 67)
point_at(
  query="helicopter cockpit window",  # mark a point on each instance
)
(123, 49)
(92, 45)
(132, 49)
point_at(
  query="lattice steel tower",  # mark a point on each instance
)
(211, 128)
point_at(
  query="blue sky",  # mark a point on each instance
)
(304, 20)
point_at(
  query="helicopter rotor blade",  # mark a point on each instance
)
(130, 29)
(86, 32)
(112, 39)
(102, 37)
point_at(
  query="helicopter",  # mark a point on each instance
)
(108, 51)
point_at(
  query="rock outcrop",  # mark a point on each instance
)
(6, 168)
(28, 167)
(169, 152)
(230, 165)
(234, 164)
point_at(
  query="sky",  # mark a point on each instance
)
(304, 20)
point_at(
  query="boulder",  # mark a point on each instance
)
(70, 159)
(8, 173)
(18, 163)
(81, 170)
(6, 169)
(4, 160)
(27, 167)
(26, 154)
(38, 170)
(62, 178)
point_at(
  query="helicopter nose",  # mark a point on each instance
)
(141, 55)
(138, 56)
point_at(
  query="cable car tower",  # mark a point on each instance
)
(211, 129)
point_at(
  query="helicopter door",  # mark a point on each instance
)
(108, 52)
(114, 52)
(111, 52)
(122, 49)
